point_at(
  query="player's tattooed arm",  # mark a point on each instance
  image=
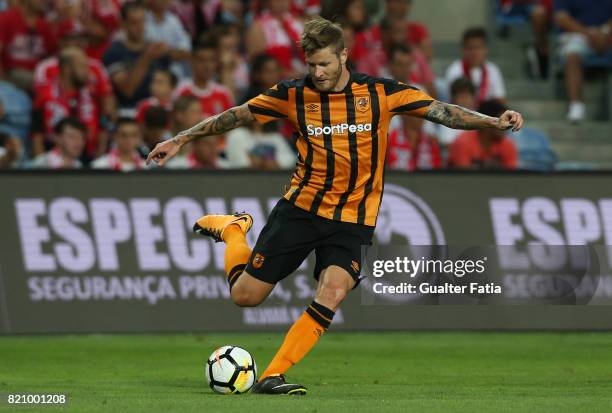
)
(458, 117)
(215, 125)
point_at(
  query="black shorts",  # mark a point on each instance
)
(292, 233)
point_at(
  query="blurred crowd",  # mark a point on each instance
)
(98, 83)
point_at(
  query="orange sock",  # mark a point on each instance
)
(301, 338)
(237, 252)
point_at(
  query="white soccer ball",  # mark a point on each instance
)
(230, 370)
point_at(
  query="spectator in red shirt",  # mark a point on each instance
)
(372, 46)
(68, 96)
(162, 87)
(484, 149)
(25, 38)
(48, 72)
(214, 97)
(66, 19)
(409, 147)
(368, 54)
(101, 19)
(476, 66)
(277, 32)
(416, 34)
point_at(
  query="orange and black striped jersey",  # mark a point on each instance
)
(342, 141)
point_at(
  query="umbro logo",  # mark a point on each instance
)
(312, 108)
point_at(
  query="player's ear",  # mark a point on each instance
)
(343, 56)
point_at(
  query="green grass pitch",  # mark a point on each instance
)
(346, 372)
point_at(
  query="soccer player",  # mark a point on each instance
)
(342, 119)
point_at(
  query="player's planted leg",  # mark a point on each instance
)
(334, 285)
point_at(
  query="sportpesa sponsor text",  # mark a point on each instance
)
(338, 129)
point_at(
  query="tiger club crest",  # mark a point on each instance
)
(362, 103)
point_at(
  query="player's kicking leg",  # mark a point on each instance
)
(334, 284)
(246, 291)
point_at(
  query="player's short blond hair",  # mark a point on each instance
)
(320, 33)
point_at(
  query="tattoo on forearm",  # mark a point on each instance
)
(458, 117)
(217, 125)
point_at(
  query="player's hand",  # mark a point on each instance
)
(163, 152)
(510, 120)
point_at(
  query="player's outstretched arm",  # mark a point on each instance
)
(215, 125)
(458, 117)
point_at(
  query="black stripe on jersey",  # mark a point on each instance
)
(327, 142)
(301, 118)
(412, 106)
(266, 112)
(374, 160)
(393, 86)
(352, 138)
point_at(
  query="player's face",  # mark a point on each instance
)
(205, 64)
(401, 67)
(71, 142)
(475, 52)
(128, 137)
(325, 67)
